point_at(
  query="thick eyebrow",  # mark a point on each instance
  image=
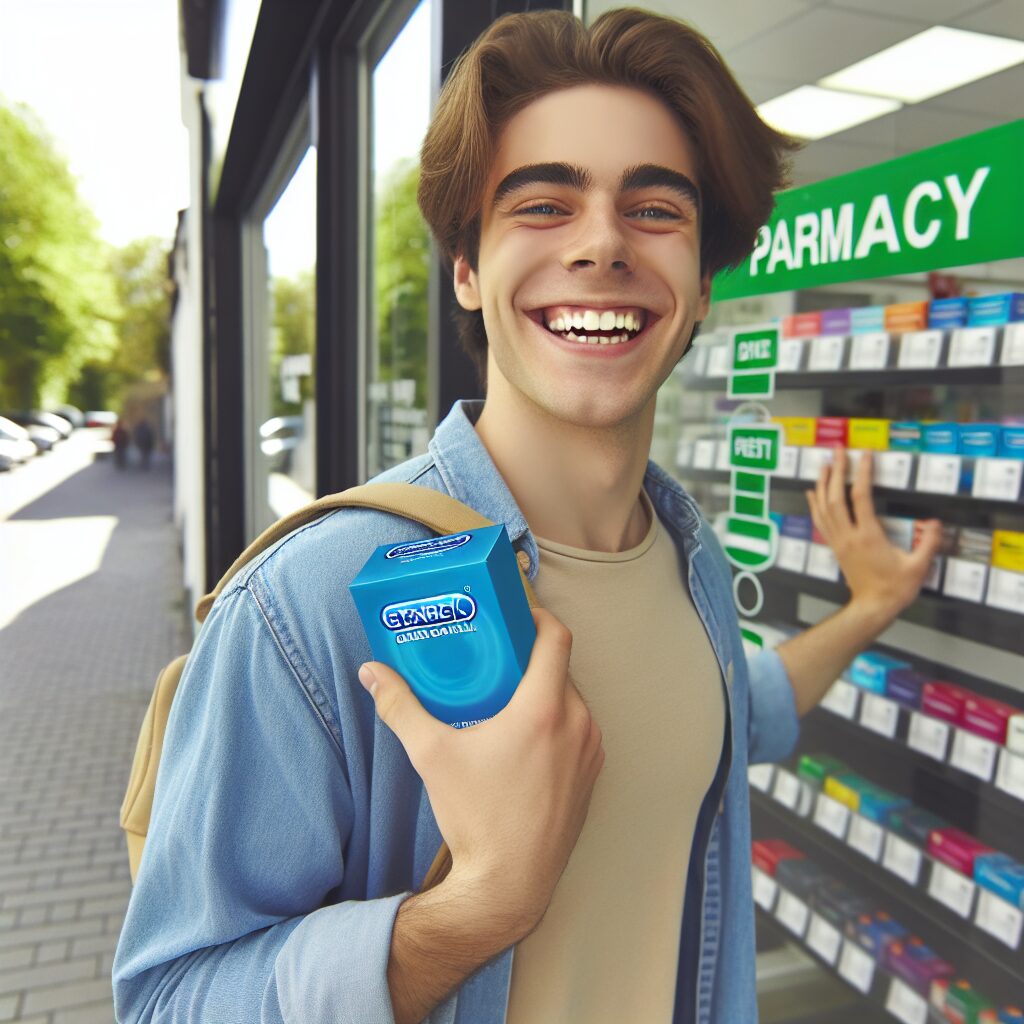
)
(579, 178)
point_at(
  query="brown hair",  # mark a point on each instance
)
(521, 57)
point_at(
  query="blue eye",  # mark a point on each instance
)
(661, 214)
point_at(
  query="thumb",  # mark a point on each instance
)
(397, 705)
(929, 543)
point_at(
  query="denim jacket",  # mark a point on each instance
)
(288, 824)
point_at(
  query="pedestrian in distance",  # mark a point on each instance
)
(584, 185)
(144, 439)
(121, 439)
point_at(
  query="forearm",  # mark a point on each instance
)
(441, 937)
(815, 658)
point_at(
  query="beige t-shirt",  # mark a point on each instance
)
(607, 948)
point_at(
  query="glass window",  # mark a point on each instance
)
(397, 425)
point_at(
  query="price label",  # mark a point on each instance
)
(903, 859)
(811, 461)
(722, 461)
(827, 353)
(786, 789)
(684, 454)
(920, 350)
(999, 918)
(997, 479)
(1005, 590)
(892, 469)
(824, 939)
(1010, 773)
(856, 966)
(865, 837)
(821, 562)
(938, 474)
(760, 776)
(841, 699)
(965, 579)
(879, 715)
(720, 361)
(973, 754)
(792, 554)
(928, 735)
(869, 351)
(972, 346)
(789, 458)
(1013, 345)
(934, 577)
(704, 453)
(792, 912)
(791, 355)
(905, 1004)
(951, 889)
(832, 816)
(765, 889)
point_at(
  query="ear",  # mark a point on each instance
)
(467, 284)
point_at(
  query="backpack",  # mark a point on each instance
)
(439, 512)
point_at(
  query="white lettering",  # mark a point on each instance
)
(964, 203)
(805, 233)
(761, 246)
(749, 350)
(879, 229)
(836, 234)
(921, 239)
(782, 250)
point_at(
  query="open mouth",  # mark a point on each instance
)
(585, 325)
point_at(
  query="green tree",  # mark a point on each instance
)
(58, 305)
(293, 332)
(401, 275)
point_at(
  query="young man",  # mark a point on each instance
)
(586, 185)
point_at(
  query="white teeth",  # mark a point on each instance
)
(577, 320)
(591, 320)
(629, 323)
(620, 321)
(607, 320)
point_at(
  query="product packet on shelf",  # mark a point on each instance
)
(838, 904)
(868, 434)
(1011, 1015)
(906, 436)
(980, 440)
(947, 312)
(942, 438)
(944, 700)
(874, 932)
(878, 805)
(911, 960)
(1001, 874)
(1011, 442)
(904, 685)
(915, 824)
(964, 1005)
(956, 849)
(797, 431)
(800, 876)
(845, 788)
(995, 309)
(987, 717)
(815, 768)
(871, 669)
(831, 431)
(767, 853)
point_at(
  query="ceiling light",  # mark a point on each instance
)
(933, 61)
(811, 112)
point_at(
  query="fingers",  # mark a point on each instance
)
(928, 543)
(548, 668)
(398, 707)
(860, 493)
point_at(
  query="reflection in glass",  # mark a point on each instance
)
(396, 415)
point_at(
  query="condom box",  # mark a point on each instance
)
(835, 321)
(845, 788)
(798, 527)
(1001, 874)
(963, 1004)
(869, 433)
(956, 848)
(816, 768)
(905, 436)
(870, 670)
(835, 901)
(915, 824)
(979, 440)
(768, 853)
(800, 876)
(904, 685)
(878, 805)
(947, 312)
(944, 700)
(831, 431)
(986, 310)
(1011, 442)
(874, 932)
(450, 615)
(987, 717)
(866, 319)
(906, 316)
(1008, 550)
(942, 438)
(917, 964)
(799, 431)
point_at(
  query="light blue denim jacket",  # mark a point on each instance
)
(288, 824)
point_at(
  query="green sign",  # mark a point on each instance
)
(755, 350)
(955, 204)
(754, 448)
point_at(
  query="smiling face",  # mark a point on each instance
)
(589, 266)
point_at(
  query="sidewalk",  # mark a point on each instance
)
(90, 611)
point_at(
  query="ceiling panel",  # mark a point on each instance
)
(1002, 18)
(932, 12)
(1003, 92)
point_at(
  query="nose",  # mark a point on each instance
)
(600, 243)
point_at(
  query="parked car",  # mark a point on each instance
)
(44, 438)
(100, 418)
(15, 443)
(72, 414)
(43, 419)
(280, 436)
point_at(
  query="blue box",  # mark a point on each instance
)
(947, 312)
(867, 318)
(1002, 875)
(988, 310)
(980, 440)
(1011, 1015)
(877, 805)
(450, 615)
(905, 436)
(870, 670)
(915, 824)
(941, 438)
(800, 527)
(904, 686)
(1011, 442)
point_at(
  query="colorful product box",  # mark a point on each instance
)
(1001, 874)
(867, 318)
(450, 615)
(838, 903)
(768, 853)
(799, 527)
(835, 321)
(995, 309)
(980, 440)
(871, 669)
(800, 876)
(845, 789)
(832, 430)
(906, 316)
(1008, 550)
(915, 824)
(815, 768)
(797, 430)
(1011, 442)
(877, 805)
(941, 438)
(964, 1005)
(956, 848)
(916, 964)
(947, 312)
(944, 700)
(904, 685)
(866, 433)
(987, 717)
(1010, 1015)
(801, 325)
(906, 436)
(874, 932)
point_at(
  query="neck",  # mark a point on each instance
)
(578, 486)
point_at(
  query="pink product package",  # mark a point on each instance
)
(956, 848)
(944, 700)
(987, 717)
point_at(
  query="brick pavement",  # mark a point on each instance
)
(91, 611)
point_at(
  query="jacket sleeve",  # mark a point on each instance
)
(252, 810)
(772, 723)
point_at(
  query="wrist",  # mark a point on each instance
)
(869, 616)
(488, 904)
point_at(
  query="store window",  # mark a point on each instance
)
(397, 425)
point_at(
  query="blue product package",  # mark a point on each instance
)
(877, 805)
(1011, 1015)
(777, 518)
(1011, 442)
(450, 615)
(947, 312)
(941, 438)
(799, 527)
(986, 310)
(867, 318)
(905, 435)
(871, 669)
(904, 686)
(1001, 874)
(915, 824)
(980, 440)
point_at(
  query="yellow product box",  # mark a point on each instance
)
(906, 316)
(797, 430)
(869, 434)
(1008, 550)
(839, 791)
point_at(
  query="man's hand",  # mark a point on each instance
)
(883, 579)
